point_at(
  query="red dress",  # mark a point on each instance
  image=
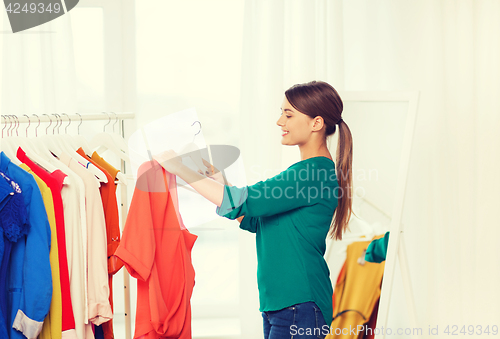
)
(156, 249)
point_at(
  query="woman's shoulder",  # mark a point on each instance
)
(313, 162)
(311, 170)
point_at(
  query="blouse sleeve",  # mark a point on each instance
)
(293, 188)
(137, 246)
(250, 224)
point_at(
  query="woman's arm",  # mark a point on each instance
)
(208, 187)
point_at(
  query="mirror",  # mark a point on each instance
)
(382, 125)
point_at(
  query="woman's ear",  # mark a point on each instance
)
(318, 123)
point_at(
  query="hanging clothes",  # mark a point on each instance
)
(108, 195)
(99, 309)
(156, 249)
(52, 325)
(55, 182)
(29, 298)
(13, 226)
(356, 293)
(377, 250)
(73, 197)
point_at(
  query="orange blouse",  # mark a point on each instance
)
(156, 249)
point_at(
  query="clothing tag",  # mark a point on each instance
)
(361, 260)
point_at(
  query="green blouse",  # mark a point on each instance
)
(291, 215)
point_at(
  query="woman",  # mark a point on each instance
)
(291, 213)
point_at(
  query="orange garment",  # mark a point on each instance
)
(110, 206)
(113, 236)
(111, 212)
(156, 249)
(356, 293)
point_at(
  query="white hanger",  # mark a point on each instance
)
(57, 146)
(122, 178)
(32, 152)
(9, 143)
(121, 150)
(192, 151)
(69, 141)
(80, 141)
(362, 228)
(107, 141)
(44, 153)
(363, 232)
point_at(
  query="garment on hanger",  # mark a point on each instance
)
(54, 181)
(356, 293)
(13, 226)
(52, 325)
(156, 249)
(108, 195)
(99, 309)
(29, 299)
(73, 198)
(377, 250)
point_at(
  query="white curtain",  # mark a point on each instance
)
(284, 42)
(37, 69)
(447, 50)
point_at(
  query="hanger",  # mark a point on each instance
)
(100, 175)
(24, 142)
(50, 143)
(363, 229)
(32, 151)
(106, 141)
(363, 232)
(81, 141)
(121, 177)
(68, 140)
(9, 142)
(192, 151)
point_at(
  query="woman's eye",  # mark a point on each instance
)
(288, 116)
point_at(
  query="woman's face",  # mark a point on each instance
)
(296, 127)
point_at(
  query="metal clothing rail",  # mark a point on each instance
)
(123, 202)
(75, 117)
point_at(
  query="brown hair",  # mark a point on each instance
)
(318, 98)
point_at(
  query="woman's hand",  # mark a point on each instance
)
(213, 173)
(170, 161)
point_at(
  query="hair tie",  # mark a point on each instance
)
(338, 123)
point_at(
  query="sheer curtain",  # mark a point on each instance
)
(447, 50)
(37, 68)
(284, 42)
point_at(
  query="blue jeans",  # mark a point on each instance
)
(299, 321)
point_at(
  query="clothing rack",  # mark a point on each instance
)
(77, 117)
(74, 117)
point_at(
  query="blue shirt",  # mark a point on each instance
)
(29, 277)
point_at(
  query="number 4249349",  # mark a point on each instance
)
(33, 8)
(471, 330)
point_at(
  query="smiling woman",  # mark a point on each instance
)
(290, 214)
